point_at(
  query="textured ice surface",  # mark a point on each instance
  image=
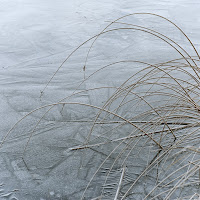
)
(35, 37)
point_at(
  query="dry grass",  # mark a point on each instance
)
(147, 130)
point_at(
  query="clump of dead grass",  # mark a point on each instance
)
(146, 132)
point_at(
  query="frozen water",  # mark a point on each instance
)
(35, 38)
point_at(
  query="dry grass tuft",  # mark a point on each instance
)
(145, 133)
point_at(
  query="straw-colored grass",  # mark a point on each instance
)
(147, 131)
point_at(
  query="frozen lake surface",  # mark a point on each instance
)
(128, 128)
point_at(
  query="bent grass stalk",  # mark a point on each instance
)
(164, 102)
